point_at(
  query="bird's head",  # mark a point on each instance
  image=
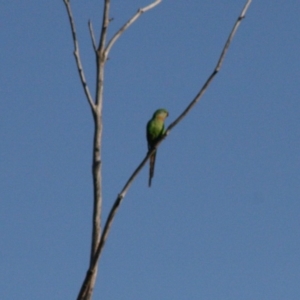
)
(160, 114)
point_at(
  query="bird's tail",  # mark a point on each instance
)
(152, 164)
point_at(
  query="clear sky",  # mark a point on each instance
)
(221, 220)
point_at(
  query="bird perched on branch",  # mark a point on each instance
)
(155, 129)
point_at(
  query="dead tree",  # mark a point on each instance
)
(102, 49)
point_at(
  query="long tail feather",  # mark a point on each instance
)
(152, 164)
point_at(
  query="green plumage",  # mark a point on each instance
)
(155, 129)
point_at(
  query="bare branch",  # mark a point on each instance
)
(105, 22)
(129, 23)
(86, 286)
(108, 223)
(92, 35)
(77, 57)
(138, 169)
(215, 71)
(235, 27)
(86, 294)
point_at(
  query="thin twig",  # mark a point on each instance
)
(77, 57)
(215, 71)
(129, 23)
(105, 22)
(92, 35)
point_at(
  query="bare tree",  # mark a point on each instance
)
(101, 53)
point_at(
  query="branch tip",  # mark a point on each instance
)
(77, 56)
(92, 35)
(129, 23)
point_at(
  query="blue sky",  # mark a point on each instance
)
(221, 220)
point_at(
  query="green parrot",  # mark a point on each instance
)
(155, 129)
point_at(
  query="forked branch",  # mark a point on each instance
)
(126, 187)
(102, 52)
(129, 23)
(77, 57)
